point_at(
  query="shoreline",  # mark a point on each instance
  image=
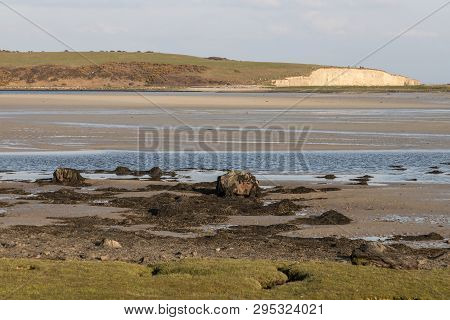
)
(246, 89)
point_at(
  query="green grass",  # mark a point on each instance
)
(243, 72)
(215, 279)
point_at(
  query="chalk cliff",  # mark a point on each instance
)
(346, 77)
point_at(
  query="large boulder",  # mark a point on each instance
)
(237, 183)
(67, 176)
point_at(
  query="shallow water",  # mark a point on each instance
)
(435, 244)
(207, 166)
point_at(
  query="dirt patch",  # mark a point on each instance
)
(4, 204)
(296, 190)
(300, 190)
(329, 189)
(200, 187)
(169, 210)
(13, 191)
(68, 196)
(330, 217)
(433, 236)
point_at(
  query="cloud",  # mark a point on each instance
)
(264, 3)
(104, 28)
(333, 32)
(326, 23)
(279, 29)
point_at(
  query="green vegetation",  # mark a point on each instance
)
(230, 71)
(215, 279)
(150, 70)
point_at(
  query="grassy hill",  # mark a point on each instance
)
(135, 70)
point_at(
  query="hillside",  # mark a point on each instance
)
(135, 70)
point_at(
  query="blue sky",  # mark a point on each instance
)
(338, 32)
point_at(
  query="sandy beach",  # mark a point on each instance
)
(99, 121)
(403, 205)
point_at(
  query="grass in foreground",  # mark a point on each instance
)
(215, 279)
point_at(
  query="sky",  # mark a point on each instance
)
(338, 32)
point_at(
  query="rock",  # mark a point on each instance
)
(122, 171)
(68, 176)
(328, 177)
(398, 167)
(113, 244)
(237, 183)
(370, 253)
(435, 172)
(373, 248)
(155, 173)
(378, 254)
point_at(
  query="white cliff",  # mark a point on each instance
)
(346, 77)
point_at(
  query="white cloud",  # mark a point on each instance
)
(326, 23)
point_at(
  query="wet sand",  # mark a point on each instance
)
(57, 222)
(99, 121)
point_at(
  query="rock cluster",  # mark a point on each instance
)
(237, 183)
(67, 176)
